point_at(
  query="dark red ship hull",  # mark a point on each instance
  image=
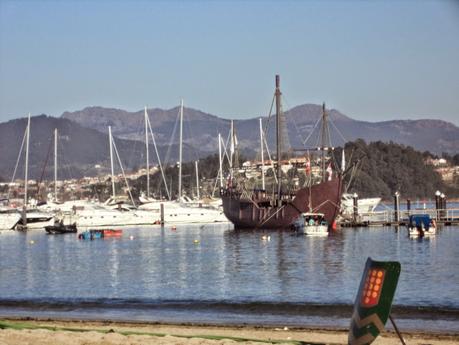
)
(260, 212)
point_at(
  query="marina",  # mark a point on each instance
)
(221, 172)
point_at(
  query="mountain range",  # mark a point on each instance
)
(201, 129)
(83, 136)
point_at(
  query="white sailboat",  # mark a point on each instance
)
(92, 214)
(182, 210)
(32, 218)
(112, 214)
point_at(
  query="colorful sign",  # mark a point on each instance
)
(374, 301)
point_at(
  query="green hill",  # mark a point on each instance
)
(388, 167)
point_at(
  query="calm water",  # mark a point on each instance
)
(215, 274)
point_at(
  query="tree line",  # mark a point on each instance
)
(386, 168)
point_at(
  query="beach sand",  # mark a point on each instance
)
(89, 333)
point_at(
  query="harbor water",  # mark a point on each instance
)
(214, 274)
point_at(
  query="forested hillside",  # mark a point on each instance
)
(388, 167)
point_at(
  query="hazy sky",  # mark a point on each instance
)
(372, 60)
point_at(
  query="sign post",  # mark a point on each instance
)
(374, 301)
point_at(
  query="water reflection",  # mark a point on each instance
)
(196, 263)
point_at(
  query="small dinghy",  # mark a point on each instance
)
(61, 228)
(102, 233)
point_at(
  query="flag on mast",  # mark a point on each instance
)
(329, 172)
(308, 165)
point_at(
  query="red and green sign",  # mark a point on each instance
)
(374, 301)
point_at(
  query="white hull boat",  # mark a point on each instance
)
(90, 214)
(421, 225)
(36, 220)
(415, 232)
(9, 218)
(175, 213)
(311, 224)
(366, 205)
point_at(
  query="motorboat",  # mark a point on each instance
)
(421, 225)
(35, 220)
(311, 224)
(61, 228)
(177, 213)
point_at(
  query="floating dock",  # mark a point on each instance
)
(399, 218)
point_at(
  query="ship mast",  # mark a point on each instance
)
(147, 153)
(278, 137)
(55, 164)
(180, 153)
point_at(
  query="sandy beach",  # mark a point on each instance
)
(36, 332)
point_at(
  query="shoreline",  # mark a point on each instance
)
(430, 319)
(58, 331)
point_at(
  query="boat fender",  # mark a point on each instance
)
(334, 225)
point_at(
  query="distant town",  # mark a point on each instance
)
(98, 187)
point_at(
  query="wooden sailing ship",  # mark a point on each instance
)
(279, 210)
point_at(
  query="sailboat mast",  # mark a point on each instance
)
(147, 153)
(180, 151)
(197, 179)
(262, 158)
(324, 141)
(278, 136)
(111, 159)
(55, 164)
(26, 174)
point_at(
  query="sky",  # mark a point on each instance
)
(371, 60)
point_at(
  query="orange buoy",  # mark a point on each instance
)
(334, 225)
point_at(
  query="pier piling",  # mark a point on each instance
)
(442, 206)
(437, 204)
(355, 198)
(397, 207)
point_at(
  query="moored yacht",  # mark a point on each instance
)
(177, 213)
(9, 217)
(90, 214)
(366, 205)
(36, 220)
